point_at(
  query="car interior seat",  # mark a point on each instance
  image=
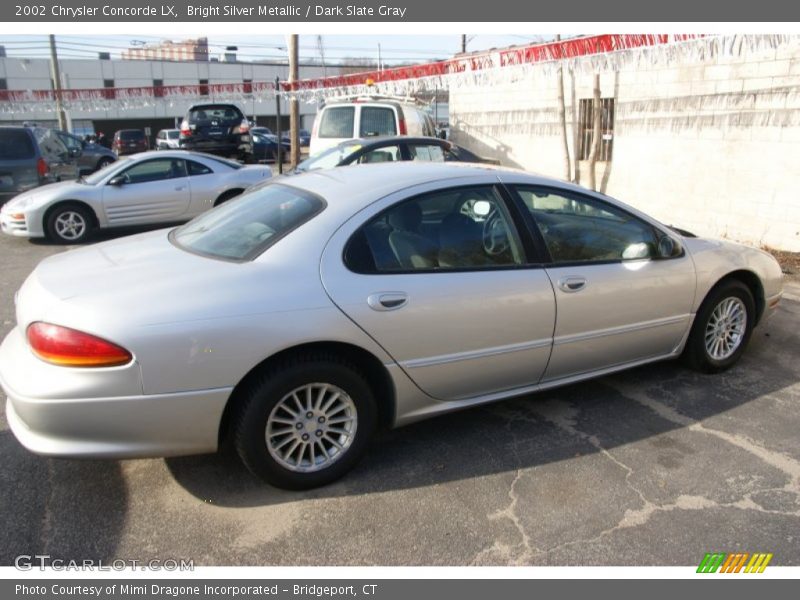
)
(412, 250)
(461, 242)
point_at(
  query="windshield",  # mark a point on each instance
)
(243, 228)
(328, 158)
(98, 176)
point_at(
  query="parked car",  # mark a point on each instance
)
(298, 318)
(91, 156)
(31, 157)
(265, 147)
(262, 130)
(369, 116)
(220, 129)
(168, 139)
(304, 137)
(152, 187)
(130, 141)
(390, 149)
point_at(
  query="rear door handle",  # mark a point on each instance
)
(572, 284)
(383, 301)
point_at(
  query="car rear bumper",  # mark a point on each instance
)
(108, 426)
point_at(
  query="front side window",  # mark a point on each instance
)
(382, 154)
(329, 158)
(376, 120)
(453, 229)
(427, 153)
(580, 229)
(337, 122)
(155, 170)
(244, 227)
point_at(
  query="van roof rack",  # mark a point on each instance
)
(371, 98)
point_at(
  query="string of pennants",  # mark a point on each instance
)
(589, 54)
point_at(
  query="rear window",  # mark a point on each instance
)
(377, 121)
(15, 145)
(337, 122)
(131, 134)
(174, 134)
(243, 228)
(225, 113)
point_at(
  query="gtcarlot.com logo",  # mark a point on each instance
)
(27, 562)
(737, 562)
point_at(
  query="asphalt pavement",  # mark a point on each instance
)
(653, 466)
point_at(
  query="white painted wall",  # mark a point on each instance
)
(712, 145)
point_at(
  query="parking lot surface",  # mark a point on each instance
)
(654, 466)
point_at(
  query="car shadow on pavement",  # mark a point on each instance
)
(67, 509)
(540, 429)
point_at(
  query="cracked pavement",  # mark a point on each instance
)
(653, 466)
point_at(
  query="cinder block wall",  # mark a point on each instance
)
(711, 145)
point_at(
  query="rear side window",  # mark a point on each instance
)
(15, 145)
(224, 113)
(337, 122)
(50, 146)
(195, 168)
(131, 134)
(243, 228)
(377, 121)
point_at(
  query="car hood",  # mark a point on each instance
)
(142, 279)
(44, 193)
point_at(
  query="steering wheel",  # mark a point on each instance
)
(495, 234)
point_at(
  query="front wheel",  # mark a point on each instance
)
(722, 328)
(69, 224)
(305, 422)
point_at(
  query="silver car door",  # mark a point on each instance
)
(204, 185)
(439, 277)
(150, 191)
(617, 301)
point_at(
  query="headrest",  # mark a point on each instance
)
(407, 217)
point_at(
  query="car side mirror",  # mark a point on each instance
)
(668, 247)
(118, 180)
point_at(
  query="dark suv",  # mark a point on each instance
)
(130, 141)
(30, 157)
(219, 129)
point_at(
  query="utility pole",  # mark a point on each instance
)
(463, 43)
(380, 63)
(294, 105)
(278, 123)
(56, 75)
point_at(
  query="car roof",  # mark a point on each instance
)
(175, 154)
(395, 139)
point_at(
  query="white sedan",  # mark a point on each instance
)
(142, 189)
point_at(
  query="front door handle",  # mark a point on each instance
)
(383, 301)
(572, 284)
(180, 188)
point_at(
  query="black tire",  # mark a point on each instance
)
(104, 162)
(69, 223)
(696, 354)
(275, 385)
(225, 196)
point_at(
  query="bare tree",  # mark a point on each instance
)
(562, 119)
(597, 113)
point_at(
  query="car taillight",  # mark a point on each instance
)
(185, 130)
(244, 126)
(402, 123)
(71, 348)
(42, 167)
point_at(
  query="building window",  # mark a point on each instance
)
(247, 88)
(108, 93)
(586, 125)
(204, 87)
(3, 84)
(158, 88)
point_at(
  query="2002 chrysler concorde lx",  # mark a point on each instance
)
(298, 318)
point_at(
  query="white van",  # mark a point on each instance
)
(369, 116)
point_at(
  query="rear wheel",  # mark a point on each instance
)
(722, 328)
(305, 422)
(69, 224)
(224, 197)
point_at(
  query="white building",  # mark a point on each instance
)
(109, 109)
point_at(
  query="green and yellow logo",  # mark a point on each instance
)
(722, 562)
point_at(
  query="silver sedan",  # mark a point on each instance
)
(142, 189)
(296, 319)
